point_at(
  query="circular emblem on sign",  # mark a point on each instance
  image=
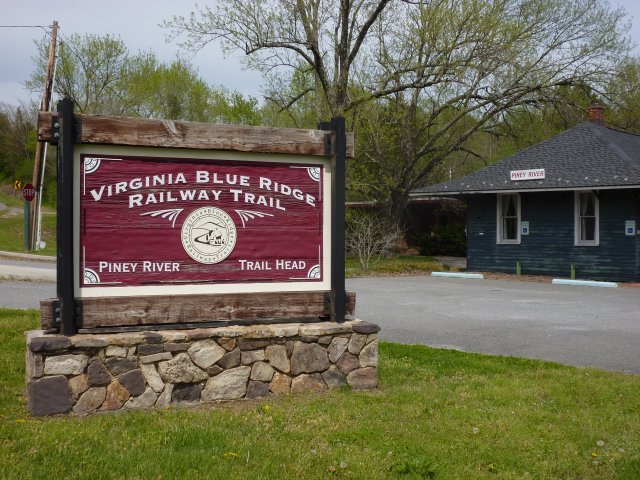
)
(209, 235)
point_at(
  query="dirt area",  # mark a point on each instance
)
(7, 211)
(537, 278)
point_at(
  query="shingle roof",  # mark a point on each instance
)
(588, 155)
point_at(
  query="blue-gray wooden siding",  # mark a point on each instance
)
(549, 248)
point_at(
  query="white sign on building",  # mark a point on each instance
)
(531, 174)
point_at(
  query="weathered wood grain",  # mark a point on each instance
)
(193, 309)
(202, 136)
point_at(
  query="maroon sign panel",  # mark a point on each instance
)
(159, 221)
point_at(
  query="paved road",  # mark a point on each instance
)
(27, 267)
(584, 326)
(21, 294)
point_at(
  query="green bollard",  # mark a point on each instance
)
(27, 225)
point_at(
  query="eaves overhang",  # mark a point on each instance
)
(522, 190)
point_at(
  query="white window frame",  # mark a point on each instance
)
(499, 237)
(578, 242)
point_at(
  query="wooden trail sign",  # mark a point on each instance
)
(181, 216)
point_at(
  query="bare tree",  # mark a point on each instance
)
(454, 67)
(369, 235)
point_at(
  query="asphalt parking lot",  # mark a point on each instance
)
(583, 326)
(575, 325)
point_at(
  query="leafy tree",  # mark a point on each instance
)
(151, 89)
(622, 97)
(88, 71)
(441, 72)
(17, 142)
(100, 75)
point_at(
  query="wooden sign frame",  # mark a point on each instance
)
(75, 309)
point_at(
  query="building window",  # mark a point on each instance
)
(587, 218)
(509, 218)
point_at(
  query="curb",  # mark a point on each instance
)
(477, 276)
(27, 256)
(584, 283)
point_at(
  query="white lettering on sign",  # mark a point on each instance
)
(532, 174)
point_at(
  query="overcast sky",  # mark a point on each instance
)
(136, 22)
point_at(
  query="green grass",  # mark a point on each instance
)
(438, 414)
(399, 265)
(12, 227)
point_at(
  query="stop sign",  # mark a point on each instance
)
(28, 192)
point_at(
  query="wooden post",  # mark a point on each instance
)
(38, 170)
(65, 279)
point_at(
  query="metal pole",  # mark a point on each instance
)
(65, 282)
(41, 148)
(338, 290)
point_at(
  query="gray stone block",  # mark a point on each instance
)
(365, 327)
(337, 348)
(251, 356)
(230, 360)
(308, 383)
(97, 374)
(276, 355)
(49, 396)
(49, 344)
(118, 366)
(133, 381)
(363, 378)
(369, 355)
(156, 357)
(146, 400)
(65, 364)
(262, 372)
(356, 343)
(180, 369)
(229, 385)
(348, 363)
(308, 358)
(206, 353)
(176, 347)
(90, 401)
(186, 392)
(151, 337)
(150, 349)
(257, 389)
(334, 378)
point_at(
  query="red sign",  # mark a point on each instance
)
(176, 221)
(28, 192)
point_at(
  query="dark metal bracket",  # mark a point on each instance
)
(67, 131)
(336, 146)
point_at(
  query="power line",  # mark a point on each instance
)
(25, 26)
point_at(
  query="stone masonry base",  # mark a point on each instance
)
(91, 373)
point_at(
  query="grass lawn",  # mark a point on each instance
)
(438, 414)
(12, 227)
(401, 264)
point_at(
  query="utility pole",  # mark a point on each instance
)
(41, 147)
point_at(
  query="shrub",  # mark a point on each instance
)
(448, 239)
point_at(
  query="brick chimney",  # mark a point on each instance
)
(595, 114)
